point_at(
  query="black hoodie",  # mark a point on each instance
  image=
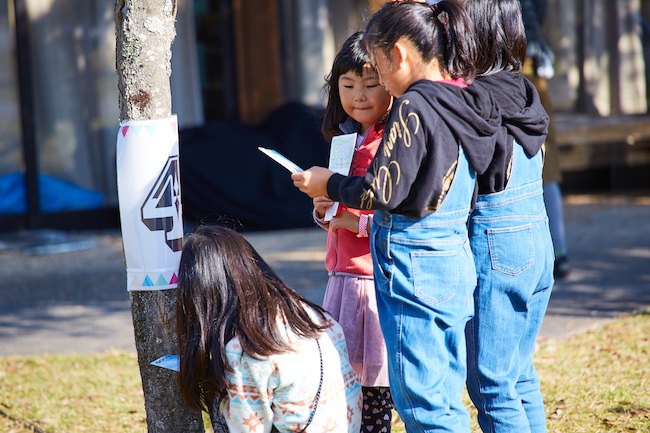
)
(523, 118)
(415, 163)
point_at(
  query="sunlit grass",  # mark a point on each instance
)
(593, 382)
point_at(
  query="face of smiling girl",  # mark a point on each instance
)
(362, 97)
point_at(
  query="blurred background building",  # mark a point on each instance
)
(246, 67)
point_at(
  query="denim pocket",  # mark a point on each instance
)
(380, 248)
(511, 249)
(435, 275)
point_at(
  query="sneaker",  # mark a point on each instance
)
(562, 267)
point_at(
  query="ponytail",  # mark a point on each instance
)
(456, 39)
(442, 31)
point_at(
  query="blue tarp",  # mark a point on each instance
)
(56, 195)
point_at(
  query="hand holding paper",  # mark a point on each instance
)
(321, 203)
(313, 181)
(345, 220)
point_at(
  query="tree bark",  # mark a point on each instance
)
(144, 34)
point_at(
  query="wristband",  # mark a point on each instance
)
(363, 226)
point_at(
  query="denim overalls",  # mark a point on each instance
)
(424, 279)
(513, 252)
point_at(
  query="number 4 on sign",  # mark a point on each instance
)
(161, 211)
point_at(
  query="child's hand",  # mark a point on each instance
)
(345, 220)
(321, 203)
(312, 182)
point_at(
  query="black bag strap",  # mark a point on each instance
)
(320, 386)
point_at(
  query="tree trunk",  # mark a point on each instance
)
(144, 34)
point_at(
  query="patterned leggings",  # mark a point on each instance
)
(377, 410)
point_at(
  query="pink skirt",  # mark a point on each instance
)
(351, 301)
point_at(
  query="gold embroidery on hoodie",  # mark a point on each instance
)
(446, 185)
(386, 177)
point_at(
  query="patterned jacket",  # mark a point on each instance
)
(279, 391)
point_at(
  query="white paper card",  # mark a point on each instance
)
(280, 159)
(170, 362)
(341, 153)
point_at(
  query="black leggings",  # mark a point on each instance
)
(377, 411)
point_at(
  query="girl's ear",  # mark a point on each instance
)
(399, 53)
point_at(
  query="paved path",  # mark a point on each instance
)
(53, 301)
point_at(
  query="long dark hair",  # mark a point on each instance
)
(351, 57)
(442, 31)
(225, 289)
(500, 35)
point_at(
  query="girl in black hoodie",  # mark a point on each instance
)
(438, 136)
(509, 234)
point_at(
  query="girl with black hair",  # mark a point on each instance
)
(509, 234)
(252, 347)
(438, 135)
(356, 103)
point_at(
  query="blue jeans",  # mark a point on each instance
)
(513, 252)
(424, 279)
(555, 211)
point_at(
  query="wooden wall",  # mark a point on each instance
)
(258, 57)
(599, 56)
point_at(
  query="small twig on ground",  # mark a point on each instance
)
(27, 424)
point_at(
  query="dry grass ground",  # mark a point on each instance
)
(593, 382)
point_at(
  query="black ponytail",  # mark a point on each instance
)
(457, 32)
(442, 31)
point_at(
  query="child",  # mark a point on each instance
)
(421, 184)
(273, 359)
(509, 234)
(356, 103)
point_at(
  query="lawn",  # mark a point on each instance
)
(596, 381)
